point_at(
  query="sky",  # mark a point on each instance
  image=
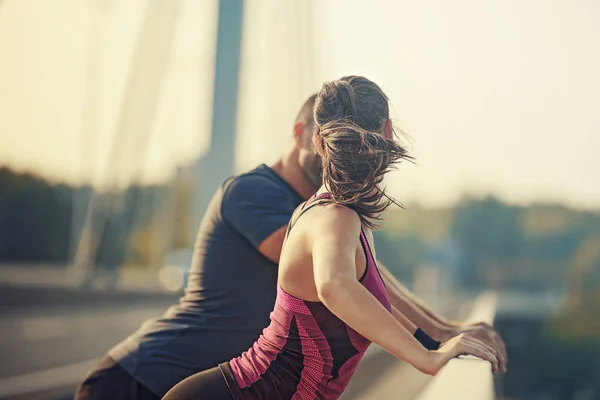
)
(498, 97)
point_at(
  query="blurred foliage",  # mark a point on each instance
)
(535, 247)
(488, 229)
(400, 254)
(35, 218)
(36, 221)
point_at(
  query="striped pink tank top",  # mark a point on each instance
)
(306, 352)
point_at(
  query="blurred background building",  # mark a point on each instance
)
(118, 119)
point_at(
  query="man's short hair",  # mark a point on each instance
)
(305, 115)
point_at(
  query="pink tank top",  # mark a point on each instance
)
(306, 352)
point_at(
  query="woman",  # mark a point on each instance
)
(331, 302)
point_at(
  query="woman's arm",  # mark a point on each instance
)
(334, 269)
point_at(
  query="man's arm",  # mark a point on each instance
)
(433, 323)
(271, 246)
(259, 209)
(415, 310)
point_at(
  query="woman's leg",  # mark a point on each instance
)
(205, 385)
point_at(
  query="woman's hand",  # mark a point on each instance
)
(463, 344)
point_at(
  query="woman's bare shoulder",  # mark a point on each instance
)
(332, 218)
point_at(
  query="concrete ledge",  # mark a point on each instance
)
(466, 378)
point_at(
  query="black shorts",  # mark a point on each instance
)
(108, 381)
(212, 384)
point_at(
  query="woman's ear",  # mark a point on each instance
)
(318, 142)
(388, 130)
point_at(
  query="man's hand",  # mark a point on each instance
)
(464, 344)
(435, 324)
(484, 332)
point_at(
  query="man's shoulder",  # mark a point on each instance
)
(259, 182)
(258, 176)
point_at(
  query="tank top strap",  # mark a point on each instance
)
(370, 257)
(316, 197)
(308, 204)
(366, 246)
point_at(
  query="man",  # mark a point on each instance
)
(233, 282)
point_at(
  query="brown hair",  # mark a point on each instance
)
(350, 114)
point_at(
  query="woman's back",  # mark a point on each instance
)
(307, 225)
(307, 351)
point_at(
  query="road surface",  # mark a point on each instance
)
(50, 336)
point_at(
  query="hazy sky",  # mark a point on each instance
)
(498, 96)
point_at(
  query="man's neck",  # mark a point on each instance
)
(290, 172)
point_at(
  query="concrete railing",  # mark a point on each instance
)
(468, 377)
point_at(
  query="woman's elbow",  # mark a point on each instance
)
(330, 291)
(429, 366)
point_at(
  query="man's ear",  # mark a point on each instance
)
(298, 132)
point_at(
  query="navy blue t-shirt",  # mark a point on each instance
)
(231, 287)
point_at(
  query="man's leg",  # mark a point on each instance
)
(108, 381)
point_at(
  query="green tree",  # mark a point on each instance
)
(490, 233)
(488, 228)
